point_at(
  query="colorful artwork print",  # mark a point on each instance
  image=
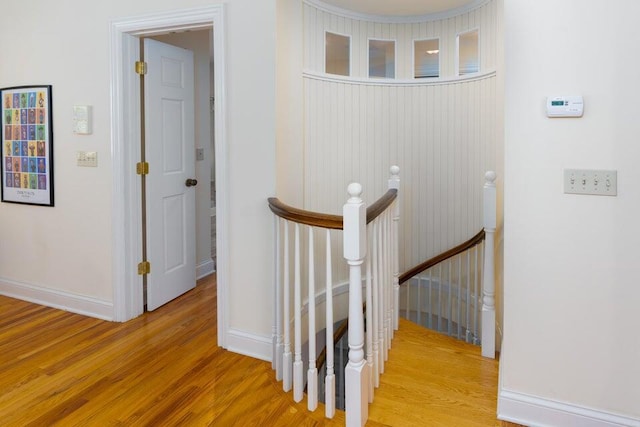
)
(27, 145)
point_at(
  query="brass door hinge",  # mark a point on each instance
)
(142, 168)
(141, 67)
(144, 268)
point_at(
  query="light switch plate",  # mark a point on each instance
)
(87, 158)
(199, 154)
(590, 181)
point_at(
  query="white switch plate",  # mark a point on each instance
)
(199, 154)
(87, 158)
(589, 181)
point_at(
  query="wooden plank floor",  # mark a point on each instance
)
(165, 369)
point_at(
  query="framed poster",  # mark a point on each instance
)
(27, 145)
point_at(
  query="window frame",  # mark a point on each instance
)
(395, 57)
(413, 59)
(457, 57)
(324, 56)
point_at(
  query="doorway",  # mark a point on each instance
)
(125, 131)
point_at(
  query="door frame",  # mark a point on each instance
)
(125, 152)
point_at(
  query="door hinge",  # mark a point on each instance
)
(142, 168)
(141, 67)
(144, 268)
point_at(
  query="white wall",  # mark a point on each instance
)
(571, 268)
(67, 249)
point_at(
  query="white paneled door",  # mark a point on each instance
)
(170, 151)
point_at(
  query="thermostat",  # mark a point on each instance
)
(82, 119)
(565, 106)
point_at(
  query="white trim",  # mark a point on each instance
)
(457, 54)
(205, 268)
(413, 59)
(537, 411)
(125, 122)
(251, 345)
(324, 51)
(395, 82)
(395, 62)
(62, 300)
(400, 19)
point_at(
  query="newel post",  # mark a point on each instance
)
(488, 291)
(394, 183)
(355, 246)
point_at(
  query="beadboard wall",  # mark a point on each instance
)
(441, 132)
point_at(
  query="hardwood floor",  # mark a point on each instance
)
(165, 369)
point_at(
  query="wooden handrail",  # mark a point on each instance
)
(442, 257)
(322, 220)
(304, 217)
(381, 204)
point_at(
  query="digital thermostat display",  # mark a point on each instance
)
(565, 106)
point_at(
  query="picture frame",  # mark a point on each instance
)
(27, 145)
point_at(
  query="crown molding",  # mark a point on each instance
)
(400, 19)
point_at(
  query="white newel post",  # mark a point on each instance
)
(394, 183)
(488, 291)
(356, 381)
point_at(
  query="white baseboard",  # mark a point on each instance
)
(535, 411)
(249, 344)
(205, 268)
(67, 301)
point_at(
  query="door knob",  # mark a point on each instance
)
(191, 182)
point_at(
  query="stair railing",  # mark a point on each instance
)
(369, 237)
(453, 292)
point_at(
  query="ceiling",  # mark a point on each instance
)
(399, 7)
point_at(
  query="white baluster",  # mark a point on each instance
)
(429, 303)
(312, 372)
(369, 320)
(459, 331)
(394, 182)
(298, 386)
(440, 297)
(384, 284)
(488, 301)
(468, 302)
(380, 286)
(277, 342)
(478, 292)
(287, 361)
(449, 299)
(378, 366)
(388, 276)
(419, 300)
(330, 381)
(355, 237)
(276, 303)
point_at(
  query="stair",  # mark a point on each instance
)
(435, 380)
